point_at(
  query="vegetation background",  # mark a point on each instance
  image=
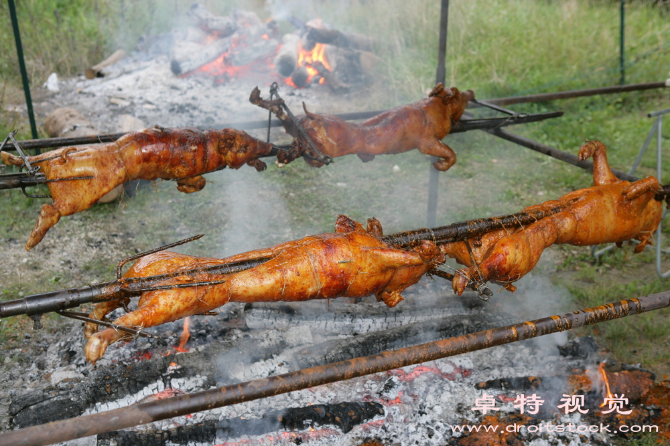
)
(497, 48)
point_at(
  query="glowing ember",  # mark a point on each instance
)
(601, 370)
(183, 338)
(383, 400)
(307, 58)
(167, 393)
(301, 437)
(421, 369)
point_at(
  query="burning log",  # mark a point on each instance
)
(340, 39)
(96, 70)
(210, 399)
(344, 416)
(208, 22)
(286, 60)
(424, 125)
(189, 56)
(183, 155)
(356, 318)
(222, 42)
(352, 67)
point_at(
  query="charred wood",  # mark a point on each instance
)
(96, 70)
(340, 39)
(396, 338)
(189, 56)
(200, 433)
(345, 416)
(286, 60)
(288, 382)
(300, 77)
(210, 23)
(348, 318)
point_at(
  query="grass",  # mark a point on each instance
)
(497, 48)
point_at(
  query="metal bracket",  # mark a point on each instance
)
(274, 91)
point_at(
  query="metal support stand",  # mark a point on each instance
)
(622, 58)
(440, 76)
(22, 66)
(656, 129)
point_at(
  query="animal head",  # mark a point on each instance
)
(453, 98)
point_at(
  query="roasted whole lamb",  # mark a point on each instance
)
(420, 125)
(351, 262)
(150, 154)
(612, 211)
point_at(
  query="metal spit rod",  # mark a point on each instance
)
(60, 300)
(339, 371)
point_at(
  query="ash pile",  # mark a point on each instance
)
(415, 405)
(200, 74)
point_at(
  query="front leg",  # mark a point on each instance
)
(640, 187)
(48, 217)
(437, 148)
(193, 184)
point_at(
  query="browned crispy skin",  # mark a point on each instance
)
(150, 154)
(351, 262)
(612, 211)
(420, 125)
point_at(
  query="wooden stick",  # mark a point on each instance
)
(96, 70)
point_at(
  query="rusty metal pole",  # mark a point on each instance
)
(143, 413)
(556, 153)
(440, 76)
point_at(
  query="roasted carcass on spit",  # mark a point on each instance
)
(612, 211)
(150, 154)
(351, 262)
(420, 125)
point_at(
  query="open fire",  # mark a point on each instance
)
(242, 46)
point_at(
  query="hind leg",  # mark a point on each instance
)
(439, 149)
(155, 308)
(48, 217)
(190, 185)
(99, 312)
(640, 187)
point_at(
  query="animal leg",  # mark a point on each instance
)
(396, 258)
(439, 149)
(100, 311)
(190, 185)
(257, 164)
(155, 308)
(366, 158)
(390, 298)
(640, 187)
(48, 217)
(602, 174)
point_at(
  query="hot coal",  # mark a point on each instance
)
(580, 347)
(399, 337)
(204, 432)
(345, 416)
(345, 318)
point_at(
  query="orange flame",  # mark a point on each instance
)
(183, 338)
(307, 58)
(601, 370)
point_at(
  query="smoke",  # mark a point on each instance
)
(253, 212)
